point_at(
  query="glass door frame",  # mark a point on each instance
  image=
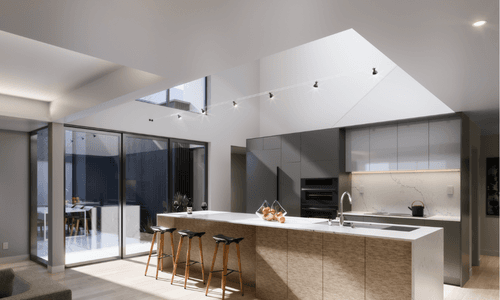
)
(34, 197)
(120, 196)
(124, 186)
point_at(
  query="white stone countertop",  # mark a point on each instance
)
(403, 216)
(307, 224)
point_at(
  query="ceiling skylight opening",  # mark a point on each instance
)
(479, 23)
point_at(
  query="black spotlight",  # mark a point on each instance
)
(375, 72)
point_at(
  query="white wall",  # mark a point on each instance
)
(489, 233)
(224, 125)
(14, 192)
(348, 93)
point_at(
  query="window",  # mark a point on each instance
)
(191, 96)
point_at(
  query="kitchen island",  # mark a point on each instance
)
(305, 258)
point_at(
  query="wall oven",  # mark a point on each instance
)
(319, 197)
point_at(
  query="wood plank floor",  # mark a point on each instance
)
(124, 279)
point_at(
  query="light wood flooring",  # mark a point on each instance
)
(124, 279)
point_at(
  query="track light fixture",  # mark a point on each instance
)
(150, 120)
(203, 111)
(271, 95)
(179, 116)
(375, 72)
(235, 104)
(315, 84)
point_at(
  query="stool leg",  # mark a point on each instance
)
(202, 265)
(162, 242)
(188, 257)
(150, 252)
(224, 272)
(177, 259)
(159, 252)
(212, 268)
(239, 267)
(172, 245)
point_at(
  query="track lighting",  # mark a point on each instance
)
(271, 95)
(203, 111)
(150, 120)
(315, 84)
(375, 72)
(179, 116)
(235, 104)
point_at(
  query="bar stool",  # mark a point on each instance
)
(227, 241)
(190, 234)
(159, 252)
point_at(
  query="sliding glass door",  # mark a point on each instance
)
(146, 189)
(115, 184)
(92, 194)
(39, 209)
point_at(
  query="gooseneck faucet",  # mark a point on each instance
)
(341, 212)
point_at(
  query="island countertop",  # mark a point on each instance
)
(306, 224)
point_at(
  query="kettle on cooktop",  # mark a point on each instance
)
(417, 210)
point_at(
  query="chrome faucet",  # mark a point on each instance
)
(341, 212)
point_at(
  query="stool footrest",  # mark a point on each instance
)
(229, 271)
(191, 262)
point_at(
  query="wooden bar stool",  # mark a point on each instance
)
(190, 234)
(159, 252)
(225, 249)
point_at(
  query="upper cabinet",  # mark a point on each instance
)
(384, 148)
(413, 146)
(422, 145)
(444, 144)
(357, 150)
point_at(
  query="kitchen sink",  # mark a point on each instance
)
(375, 226)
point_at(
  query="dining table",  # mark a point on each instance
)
(69, 208)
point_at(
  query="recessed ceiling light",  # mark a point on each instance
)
(479, 23)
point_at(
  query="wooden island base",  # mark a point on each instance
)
(304, 264)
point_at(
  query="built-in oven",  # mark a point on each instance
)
(319, 197)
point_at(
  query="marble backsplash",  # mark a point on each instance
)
(394, 192)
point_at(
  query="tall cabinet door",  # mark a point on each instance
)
(289, 174)
(413, 146)
(384, 148)
(444, 144)
(263, 160)
(357, 150)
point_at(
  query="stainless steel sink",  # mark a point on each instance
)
(374, 226)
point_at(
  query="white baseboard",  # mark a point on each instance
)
(13, 259)
(55, 269)
(489, 252)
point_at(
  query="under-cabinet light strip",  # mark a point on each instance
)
(405, 171)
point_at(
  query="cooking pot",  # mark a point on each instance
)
(417, 210)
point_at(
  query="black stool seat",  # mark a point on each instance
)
(226, 239)
(162, 229)
(190, 233)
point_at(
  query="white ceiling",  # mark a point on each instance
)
(433, 41)
(35, 70)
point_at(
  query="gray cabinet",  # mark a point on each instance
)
(384, 148)
(357, 150)
(290, 148)
(290, 188)
(262, 168)
(452, 255)
(319, 153)
(272, 142)
(444, 144)
(413, 146)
